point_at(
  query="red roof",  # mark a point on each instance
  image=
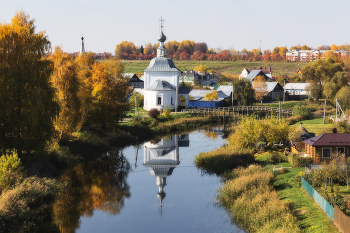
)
(330, 139)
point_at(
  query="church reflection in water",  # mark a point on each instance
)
(162, 158)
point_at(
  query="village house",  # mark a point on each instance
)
(297, 91)
(134, 80)
(274, 91)
(197, 77)
(266, 72)
(328, 144)
(197, 99)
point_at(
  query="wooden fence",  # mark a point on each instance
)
(239, 109)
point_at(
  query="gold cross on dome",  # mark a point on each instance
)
(161, 21)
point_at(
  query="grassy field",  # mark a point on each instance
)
(229, 67)
(310, 217)
(315, 126)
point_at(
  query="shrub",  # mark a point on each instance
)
(28, 203)
(302, 110)
(294, 119)
(296, 161)
(154, 113)
(167, 113)
(11, 171)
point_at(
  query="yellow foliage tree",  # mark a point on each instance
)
(201, 68)
(109, 89)
(27, 104)
(211, 96)
(260, 88)
(334, 47)
(68, 93)
(283, 51)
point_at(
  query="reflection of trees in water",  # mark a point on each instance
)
(96, 185)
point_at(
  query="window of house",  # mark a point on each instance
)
(326, 153)
(171, 100)
(159, 100)
(341, 150)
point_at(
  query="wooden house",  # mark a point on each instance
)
(328, 144)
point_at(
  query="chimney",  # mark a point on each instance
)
(334, 130)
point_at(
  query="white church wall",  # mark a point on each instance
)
(151, 100)
(170, 77)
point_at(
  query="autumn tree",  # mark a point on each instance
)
(109, 89)
(171, 47)
(68, 93)
(201, 68)
(260, 88)
(283, 51)
(211, 96)
(27, 104)
(276, 50)
(125, 47)
(186, 46)
(201, 47)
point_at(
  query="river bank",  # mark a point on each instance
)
(27, 203)
(259, 199)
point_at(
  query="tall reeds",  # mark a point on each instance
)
(224, 159)
(254, 204)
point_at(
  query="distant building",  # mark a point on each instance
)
(246, 72)
(202, 78)
(134, 80)
(311, 55)
(297, 91)
(274, 91)
(197, 99)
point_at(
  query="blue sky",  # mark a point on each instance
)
(234, 24)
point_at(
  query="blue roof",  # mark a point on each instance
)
(255, 73)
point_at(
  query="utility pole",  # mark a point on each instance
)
(324, 111)
(279, 111)
(336, 110)
(232, 93)
(284, 91)
(136, 104)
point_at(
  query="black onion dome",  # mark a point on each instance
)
(161, 37)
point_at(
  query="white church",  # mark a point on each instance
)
(161, 81)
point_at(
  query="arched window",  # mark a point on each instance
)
(159, 100)
(171, 100)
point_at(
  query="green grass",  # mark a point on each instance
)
(315, 126)
(310, 217)
(229, 67)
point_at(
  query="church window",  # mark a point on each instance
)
(159, 100)
(171, 100)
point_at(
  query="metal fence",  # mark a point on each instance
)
(309, 167)
(324, 205)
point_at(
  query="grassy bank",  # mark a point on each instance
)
(229, 67)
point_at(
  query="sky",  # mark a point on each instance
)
(225, 24)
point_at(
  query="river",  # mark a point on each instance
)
(152, 187)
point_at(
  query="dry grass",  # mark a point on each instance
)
(254, 204)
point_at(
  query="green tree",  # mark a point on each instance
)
(343, 96)
(11, 171)
(140, 98)
(320, 72)
(243, 93)
(27, 106)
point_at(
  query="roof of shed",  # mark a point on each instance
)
(330, 139)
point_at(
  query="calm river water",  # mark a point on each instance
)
(152, 187)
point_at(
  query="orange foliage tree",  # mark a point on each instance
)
(260, 88)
